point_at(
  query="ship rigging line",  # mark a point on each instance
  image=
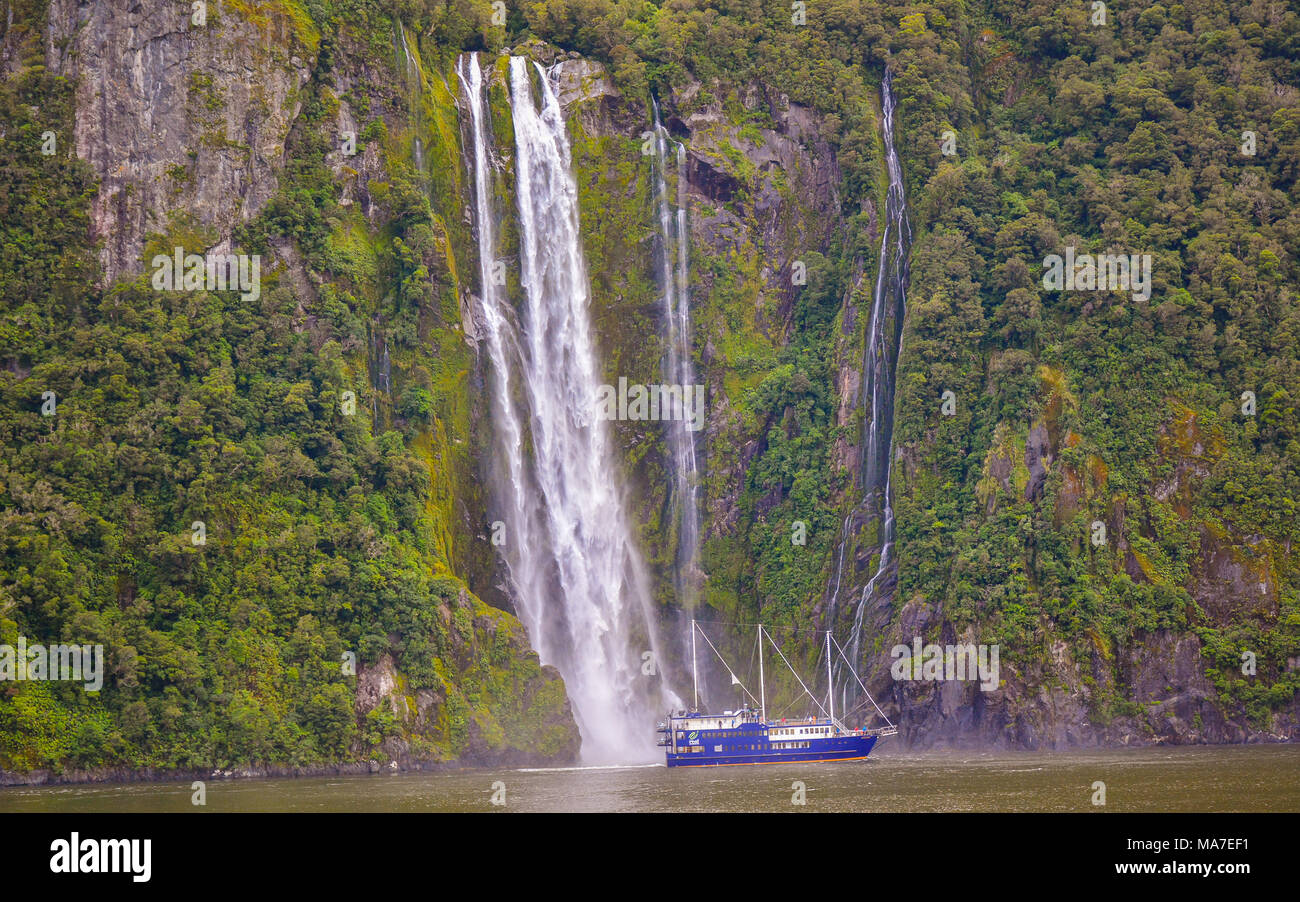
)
(730, 671)
(695, 626)
(860, 683)
(798, 698)
(766, 629)
(796, 675)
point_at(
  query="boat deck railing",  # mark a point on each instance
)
(751, 717)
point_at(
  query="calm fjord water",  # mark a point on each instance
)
(1215, 778)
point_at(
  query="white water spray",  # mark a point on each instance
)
(577, 577)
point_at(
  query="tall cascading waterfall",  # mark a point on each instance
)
(884, 342)
(577, 578)
(674, 259)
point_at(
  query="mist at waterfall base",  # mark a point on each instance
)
(575, 574)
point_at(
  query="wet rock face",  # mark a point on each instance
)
(710, 180)
(1166, 676)
(1038, 455)
(792, 151)
(1048, 706)
(768, 193)
(1228, 581)
(175, 116)
(584, 89)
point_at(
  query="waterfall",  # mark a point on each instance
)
(516, 494)
(414, 91)
(576, 576)
(674, 260)
(884, 338)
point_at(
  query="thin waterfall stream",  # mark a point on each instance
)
(674, 259)
(414, 89)
(884, 341)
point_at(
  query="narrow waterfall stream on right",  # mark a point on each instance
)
(884, 338)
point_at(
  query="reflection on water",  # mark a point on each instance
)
(1217, 778)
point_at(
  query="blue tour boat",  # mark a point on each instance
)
(746, 736)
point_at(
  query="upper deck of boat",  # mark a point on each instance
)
(734, 719)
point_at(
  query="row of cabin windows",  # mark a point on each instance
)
(709, 734)
(689, 750)
(751, 748)
(681, 737)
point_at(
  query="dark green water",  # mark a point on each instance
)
(1220, 778)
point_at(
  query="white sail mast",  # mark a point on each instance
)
(830, 683)
(695, 680)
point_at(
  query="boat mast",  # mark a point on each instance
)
(830, 686)
(762, 689)
(695, 682)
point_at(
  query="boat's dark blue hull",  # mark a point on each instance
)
(761, 751)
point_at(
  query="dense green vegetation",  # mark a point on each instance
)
(208, 504)
(1128, 138)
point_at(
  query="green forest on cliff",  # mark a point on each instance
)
(330, 532)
